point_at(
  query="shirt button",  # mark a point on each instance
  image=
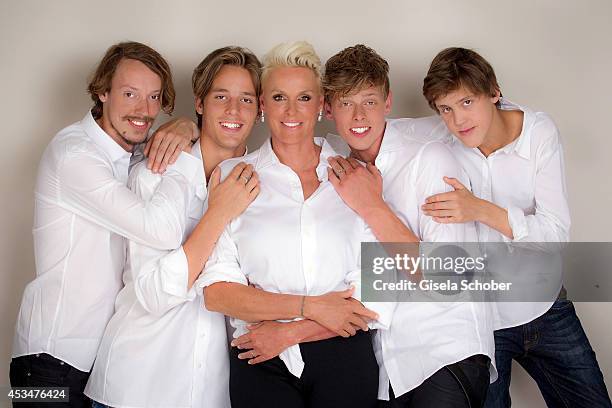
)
(37, 355)
(28, 374)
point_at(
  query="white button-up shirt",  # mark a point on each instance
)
(425, 336)
(527, 178)
(83, 209)
(162, 347)
(283, 243)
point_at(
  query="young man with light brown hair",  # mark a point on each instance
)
(83, 213)
(514, 159)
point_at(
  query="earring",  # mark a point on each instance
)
(263, 119)
(320, 116)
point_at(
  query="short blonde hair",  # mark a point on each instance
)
(292, 54)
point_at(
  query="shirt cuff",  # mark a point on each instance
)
(518, 224)
(220, 273)
(175, 273)
(385, 314)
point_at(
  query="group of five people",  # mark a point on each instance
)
(136, 273)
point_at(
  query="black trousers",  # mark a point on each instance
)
(43, 370)
(460, 385)
(338, 372)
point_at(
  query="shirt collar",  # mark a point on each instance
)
(267, 157)
(521, 145)
(392, 138)
(103, 139)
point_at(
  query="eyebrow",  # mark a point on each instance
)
(136, 89)
(281, 91)
(226, 90)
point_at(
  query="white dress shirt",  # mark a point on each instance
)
(283, 243)
(425, 336)
(527, 178)
(162, 348)
(83, 209)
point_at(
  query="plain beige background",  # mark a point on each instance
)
(554, 56)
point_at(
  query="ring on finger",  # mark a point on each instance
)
(245, 178)
(340, 171)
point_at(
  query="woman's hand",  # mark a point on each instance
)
(228, 199)
(338, 312)
(264, 341)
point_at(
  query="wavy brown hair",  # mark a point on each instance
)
(100, 82)
(455, 67)
(353, 69)
(204, 74)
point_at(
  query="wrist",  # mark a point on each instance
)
(373, 210)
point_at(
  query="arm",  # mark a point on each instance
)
(166, 279)
(168, 141)
(88, 188)
(361, 189)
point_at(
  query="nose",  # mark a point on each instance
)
(147, 107)
(291, 107)
(358, 113)
(458, 118)
(232, 107)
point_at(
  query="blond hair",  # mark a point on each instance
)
(292, 54)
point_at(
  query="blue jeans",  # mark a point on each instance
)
(556, 353)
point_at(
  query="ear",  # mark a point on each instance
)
(199, 106)
(496, 96)
(327, 109)
(388, 103)
(261, 102)
(321, 103)
(103, 97)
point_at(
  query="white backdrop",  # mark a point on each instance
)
(553, 56)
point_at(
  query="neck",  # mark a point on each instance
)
(505, 127)
(114, 134)
(299, 156)
(214, 154)
(371, 153)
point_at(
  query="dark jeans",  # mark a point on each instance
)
(338, 372)
(43, 370)
(450, 387)
(556, 353)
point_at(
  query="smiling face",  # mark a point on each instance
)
(229, 110)
(468, 115)
(291, 100)
(360, 118)
(132, 103)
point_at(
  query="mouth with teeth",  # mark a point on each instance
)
(232, 126)
(291, 125)
(360, 131)
(139, 123)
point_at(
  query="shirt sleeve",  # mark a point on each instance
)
(435, 162)
(223, 264)
(88, 187)
(385, 310)
(160, 276)
(551, 220)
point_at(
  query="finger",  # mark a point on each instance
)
(252, 183)
(440, 213)
(236, 171)
(333, 178)
(248, 354)
(238, 341)
(254, 326)
(246, 174)
(147, 147)
(441, 197)
(175, 156)
(453, 182)
(336, 166)
(350, 329)
(373, 170)
(359, 323)
(364, 311)
(353, 162)
(260, 359)
(172, 147)
(346, 166)
(246, 346)
(155, 142)
(254, 193)
(215, 178)
(440, 205)
(159, 156)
